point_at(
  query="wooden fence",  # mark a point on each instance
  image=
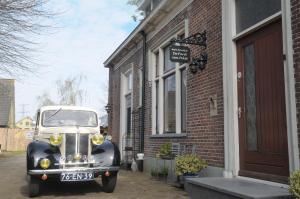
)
(13, 139)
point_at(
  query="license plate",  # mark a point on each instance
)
(77, 176)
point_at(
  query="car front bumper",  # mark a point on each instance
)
(78, 169)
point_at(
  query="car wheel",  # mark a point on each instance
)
(109, 183)
(33, 186)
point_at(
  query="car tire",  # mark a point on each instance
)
(33, 186)
(109, 183)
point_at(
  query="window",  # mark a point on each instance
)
(129, 81)
(156, 107)
(156, 64)
(170, 104)
(128, 115)
(248, 13)
(168, 65)
(128, 102)
(183, 100)
(169, 92)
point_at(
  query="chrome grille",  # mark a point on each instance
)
(84, 144)
(70, 144)
(76, 143)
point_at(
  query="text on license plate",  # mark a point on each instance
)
(77, 176)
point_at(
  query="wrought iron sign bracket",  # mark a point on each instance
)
(198, 39)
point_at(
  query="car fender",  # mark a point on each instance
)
(37, 150)
(106, 154)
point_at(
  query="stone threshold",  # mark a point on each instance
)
(232, 188)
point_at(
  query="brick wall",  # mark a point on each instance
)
(115, 96)
(295, 12)
(204, 131)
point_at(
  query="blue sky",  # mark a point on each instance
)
(85, 34)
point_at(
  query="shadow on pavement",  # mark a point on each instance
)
(56, 188)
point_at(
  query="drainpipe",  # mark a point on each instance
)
(142, 132)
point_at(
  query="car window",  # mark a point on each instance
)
(55, 118)
(37, 120)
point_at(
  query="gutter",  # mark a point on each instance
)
(142, 132)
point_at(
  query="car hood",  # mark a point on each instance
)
(85, 130)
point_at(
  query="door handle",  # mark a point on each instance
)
(240, 112)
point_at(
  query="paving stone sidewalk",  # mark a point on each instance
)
(129, 186)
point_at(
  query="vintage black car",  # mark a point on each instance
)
(67, 146)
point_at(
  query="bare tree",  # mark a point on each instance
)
(20, 22)
(45, 100)
(69, 91)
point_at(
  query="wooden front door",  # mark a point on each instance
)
(261, 98)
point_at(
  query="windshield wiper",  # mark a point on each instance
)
(52, 115)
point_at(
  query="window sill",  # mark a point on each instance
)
(170, 135)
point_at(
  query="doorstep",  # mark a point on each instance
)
(232, 188)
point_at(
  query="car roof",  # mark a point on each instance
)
(66, 107)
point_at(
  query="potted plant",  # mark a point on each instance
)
(188, 166)
(294, 182)
(165, 151)
(154, 173)
(163, 173)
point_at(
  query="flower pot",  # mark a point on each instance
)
(184, 177)
(162, 177)
(167, 157)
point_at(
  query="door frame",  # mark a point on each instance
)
(123, 116)
(231, 131)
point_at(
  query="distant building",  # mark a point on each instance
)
(7, 103)
(26, 123)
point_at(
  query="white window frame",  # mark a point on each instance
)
(123, 93)
(160, 78)
(231, 131)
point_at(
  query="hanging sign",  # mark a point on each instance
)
(180, 54)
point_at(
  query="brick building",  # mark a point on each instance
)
(240, 113)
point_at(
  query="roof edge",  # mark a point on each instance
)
(134, 33)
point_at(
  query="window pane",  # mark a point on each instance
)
(167, 62)
(183, 100)
(156, 64)
(129, 81)
(156, 106)
(250, 12)
(170, 104)
(249, 59)
(128, 115)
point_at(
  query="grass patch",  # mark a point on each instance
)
(4, 154)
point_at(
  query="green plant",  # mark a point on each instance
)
(165, 149)
(294, 187)
(189, 164)
(154, 172)
(164, 171)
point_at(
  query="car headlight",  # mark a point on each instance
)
(45, 163)
(109, 137)
(97, 139)
(56, 140)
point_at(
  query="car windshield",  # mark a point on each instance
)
(54, 118)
